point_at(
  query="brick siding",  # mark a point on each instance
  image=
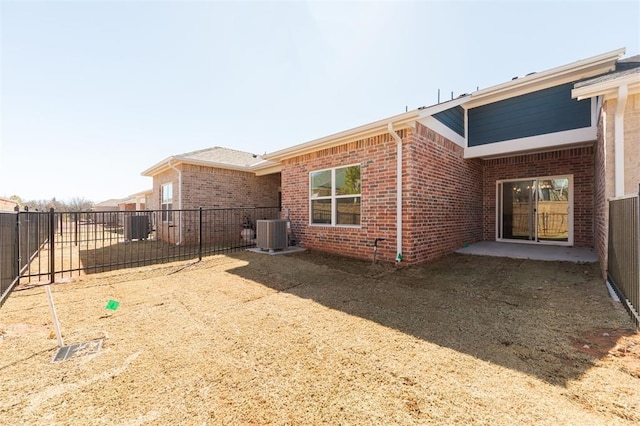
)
(210, 187)
(377, 159)
(632, 145)
(600, 203)
(442, 197)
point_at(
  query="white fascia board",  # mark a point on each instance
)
(177, 160)
(158, 167)
(267, 170)
(213, 164)
(608, 88)
(548, 142)
(400, 121)
(443, 130)
(142, 193)
(579, 70)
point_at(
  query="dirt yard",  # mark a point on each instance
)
(251, 339)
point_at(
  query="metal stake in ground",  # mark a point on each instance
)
(65, 352)
(56, 323)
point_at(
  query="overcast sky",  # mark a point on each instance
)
(94, 92)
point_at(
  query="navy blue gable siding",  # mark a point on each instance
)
(539, 113)
(453, 118)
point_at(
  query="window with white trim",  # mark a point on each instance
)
(166, 202)
(334, 196)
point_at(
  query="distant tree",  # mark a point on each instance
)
(77, 204)
(17, 200)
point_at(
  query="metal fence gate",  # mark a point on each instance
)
(37, 246)
(623, 269)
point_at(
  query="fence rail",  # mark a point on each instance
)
(624, 252)
(52, 245)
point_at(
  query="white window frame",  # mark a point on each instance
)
(333, 197)
(166, 205)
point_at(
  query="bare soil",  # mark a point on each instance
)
(311, 338)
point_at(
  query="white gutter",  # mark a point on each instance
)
(398, 191)
(578, 70)
(179, 198)
(618, 137)
(403, 120)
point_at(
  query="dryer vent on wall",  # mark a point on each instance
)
(271, 234)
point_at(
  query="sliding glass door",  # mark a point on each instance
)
(535, 210)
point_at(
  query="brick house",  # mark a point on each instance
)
(135, 202)
(518, 162)
(527, 161)
(210, 178)
(7, 204)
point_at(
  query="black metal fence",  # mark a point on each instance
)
(623, 270)
(8, 253)
(21, 237)
(52, 245)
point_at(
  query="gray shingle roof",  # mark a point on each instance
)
(624, 67)
(221, 155)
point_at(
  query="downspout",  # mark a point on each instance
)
(179, 199)
(398, 192)
(618, 137)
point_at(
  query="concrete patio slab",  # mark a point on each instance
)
(531, 251)
(288, 250)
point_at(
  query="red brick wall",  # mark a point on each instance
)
(443, 197)
(377, 159)
(601, 206)
(576, 161)
(211, 187)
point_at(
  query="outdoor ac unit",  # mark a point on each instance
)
(136, 227)
(271, 234)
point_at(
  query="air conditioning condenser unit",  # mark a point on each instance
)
(272, 234)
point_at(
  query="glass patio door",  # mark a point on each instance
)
(535, 210)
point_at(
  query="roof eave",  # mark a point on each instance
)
(578, 70)
(167, 163)
(158, 167)
(399, 121)
(608, 88)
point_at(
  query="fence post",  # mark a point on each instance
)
(200, 233)
(16, 249)
(52, 253)
(75, 215)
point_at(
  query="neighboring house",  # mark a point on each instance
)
(7, 204)
(515, 163)
(110, 205)
(210, 178)
(136, 202)
(105, 212)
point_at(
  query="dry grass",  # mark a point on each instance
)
(316, 339)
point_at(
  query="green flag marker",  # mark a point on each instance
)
(112, 305)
